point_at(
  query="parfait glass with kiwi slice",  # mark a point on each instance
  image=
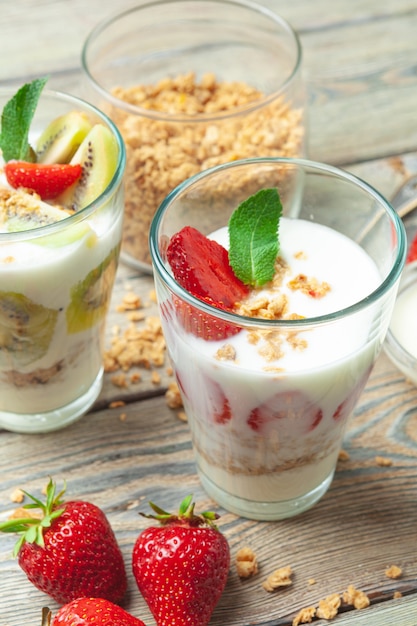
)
(61, 210)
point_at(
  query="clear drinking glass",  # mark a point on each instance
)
(267, 431)
(55, 287)
(192, 84)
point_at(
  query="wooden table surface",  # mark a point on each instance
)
(360, 60)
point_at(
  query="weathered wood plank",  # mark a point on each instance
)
(360, 58)
(365, 523)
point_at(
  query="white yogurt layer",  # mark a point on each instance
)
(45, 272)
(403, 322)
(269, 430)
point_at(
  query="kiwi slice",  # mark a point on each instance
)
(26, 329)
(90, 297)
(98, 155)
(62, 137)
(21, 211)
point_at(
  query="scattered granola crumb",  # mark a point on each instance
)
(343, 456)
(311, 581)
(17, 496)
(130, 302)
(280, 578)
(397, 594)
(328, 608)
(305, 616)
(119, 381)
(356, 598)
(393, 571)
(123, 417)
(156, 378)
(135, 316)
(135, 377)
(116, 404)
(137, 346)
(22, 512)
(246, 563)
(173, 396)
(383, 461)
(182, 416)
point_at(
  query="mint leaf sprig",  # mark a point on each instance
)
(16, 119)
(253, 237)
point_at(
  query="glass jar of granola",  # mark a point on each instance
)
(192, 84)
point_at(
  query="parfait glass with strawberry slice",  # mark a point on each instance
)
(276, 280)
(61, 210)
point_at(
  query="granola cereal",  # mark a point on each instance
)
(246, 563)
(356, 598)
(393, 571)
(383, 461)
(173, 396)
(343, 456)
(17, 496)
(280, 578)
(328, 608)
(305, 616)
(161, 153)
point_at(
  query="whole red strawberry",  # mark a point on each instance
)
(70, 551)
(181, 566)
(91, 612)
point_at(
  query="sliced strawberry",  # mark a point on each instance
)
(201, 266)
(294, 409)
(346, 407)
(412, 252)
(201, 325)
(218, 403)
(48, 181)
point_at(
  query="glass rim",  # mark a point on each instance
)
(82, 214)
(101, 27)
(244, 321)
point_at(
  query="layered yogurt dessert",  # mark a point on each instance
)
(267, 403)
(58, 260)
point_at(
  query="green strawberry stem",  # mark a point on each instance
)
(185, 515)
(31, 529)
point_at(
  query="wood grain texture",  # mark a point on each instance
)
(365, 523)
(359, 61)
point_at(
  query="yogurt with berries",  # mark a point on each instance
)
(267, 405)
(61, 214)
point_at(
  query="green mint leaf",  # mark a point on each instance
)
(253, 237)
(16, 119)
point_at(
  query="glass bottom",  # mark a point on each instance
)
(264, 511)
(52, 420)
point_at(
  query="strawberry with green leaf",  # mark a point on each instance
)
(21, 169)
(70, 550)
(221, 278)
(90, 612)
(181, 565)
